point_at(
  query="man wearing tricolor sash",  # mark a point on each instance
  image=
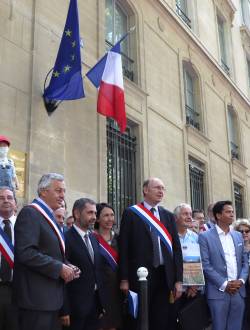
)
(8, 312)
(148, 238)
(40, 268)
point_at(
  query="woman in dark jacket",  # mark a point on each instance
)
(105, 220)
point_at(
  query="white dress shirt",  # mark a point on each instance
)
(12, 223)
(82, 233)
(157, 215)
(230, 256)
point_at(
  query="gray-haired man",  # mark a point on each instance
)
(40, 270)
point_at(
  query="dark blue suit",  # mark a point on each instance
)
(136, 250)
(37, 285)
(84, 295)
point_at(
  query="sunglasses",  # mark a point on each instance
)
(244, 231)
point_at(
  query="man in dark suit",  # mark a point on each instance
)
(84, 295)
(8, 312)
(40, 270)
(140, 245)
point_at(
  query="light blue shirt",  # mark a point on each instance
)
(189, 237)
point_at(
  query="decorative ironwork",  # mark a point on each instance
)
(238, 199)
(183, 15)
(121, 168)
(225, 67)
(192, 117)
(127, 63)
(234, 150)
(197, 186)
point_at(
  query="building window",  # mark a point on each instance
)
(121, 168)
(117, 24)
(182, 11)
(233, 133)
(238, 200)
(245, 9)
(192, 96)
(222, 44)
(197, 184)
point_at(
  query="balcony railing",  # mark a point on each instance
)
(192, 117)
(239, 200)
(234, 150)
(127, 63)
(246, 13)
(183, 15)
(225, 67)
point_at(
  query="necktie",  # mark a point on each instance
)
(89, 247)
(5, 270)
(155, 241)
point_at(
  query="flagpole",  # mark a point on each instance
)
(132, 29)
(50, 105)
(66, 79)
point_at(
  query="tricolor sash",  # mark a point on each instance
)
(154, 224)
(6, 248)
(107, 251)
(48, 215)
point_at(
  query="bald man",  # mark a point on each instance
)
(141, 245)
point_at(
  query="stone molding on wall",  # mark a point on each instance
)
(197, 139)
(245, 37)
(239, 170)
(226, 7)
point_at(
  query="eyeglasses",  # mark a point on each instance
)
(244, 231)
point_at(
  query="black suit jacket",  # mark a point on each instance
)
(80, 293)
(38, 261)
(136, 248)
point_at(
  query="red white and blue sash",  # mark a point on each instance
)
(48, 215)
(107, 251)
(6, 248)
(154, 224)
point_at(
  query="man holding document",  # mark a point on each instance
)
(188, 310)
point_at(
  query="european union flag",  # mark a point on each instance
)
(66, 80)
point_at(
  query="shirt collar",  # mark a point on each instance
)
(12, 219)
(81, 232)
(149, 207)
(220, 231)
(188, 233)
(43, 202)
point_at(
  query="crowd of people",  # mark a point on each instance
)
(76, 272)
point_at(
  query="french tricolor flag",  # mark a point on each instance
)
(107, 76)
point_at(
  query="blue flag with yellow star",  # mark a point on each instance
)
(66, 80)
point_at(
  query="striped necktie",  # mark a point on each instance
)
(89, 247)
